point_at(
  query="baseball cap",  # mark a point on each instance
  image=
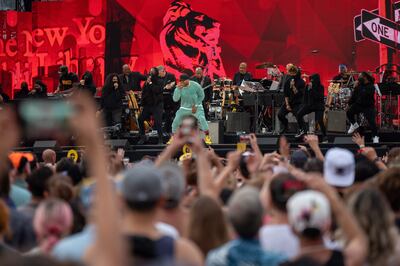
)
(309, 210)
(339, 167)
(142, 185)
(298, 158)
(184, 77)
(172, 183)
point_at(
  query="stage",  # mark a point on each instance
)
(267, 143)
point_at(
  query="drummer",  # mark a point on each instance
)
(342, 76)
(242, 75)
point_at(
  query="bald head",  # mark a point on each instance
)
(199, 72)
(243, 68)
(126, 69)
(49, 156)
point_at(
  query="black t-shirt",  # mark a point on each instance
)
(239, 77)
(363, 95)
(132, 81)
(294, 99)
(66, 81)
(111, 98)
(152, 94)
(314, 96)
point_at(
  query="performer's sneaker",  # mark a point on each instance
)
(353, 127)
(170, 140)
(375, 140)
(300, 134)
(208, 140)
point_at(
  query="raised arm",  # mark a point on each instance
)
(177, 94)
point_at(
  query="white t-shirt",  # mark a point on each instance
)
(167, 229)
(279, 238)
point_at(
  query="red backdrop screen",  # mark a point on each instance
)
(101, 35)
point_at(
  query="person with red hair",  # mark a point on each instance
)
(52, 221)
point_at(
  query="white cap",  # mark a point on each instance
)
(309, 210)
(339, 167)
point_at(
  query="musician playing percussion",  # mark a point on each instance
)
(205, 83)
(293, 92)
(168, 81)
(313, 102)
(152, 102)
(242, 75)
(191, 96)
(363, 101)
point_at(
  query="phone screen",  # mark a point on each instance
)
(45, 119)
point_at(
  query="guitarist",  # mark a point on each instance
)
(168, 82)
(205, 83)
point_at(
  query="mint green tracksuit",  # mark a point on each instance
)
(189, 96)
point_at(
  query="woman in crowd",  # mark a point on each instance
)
(383, 237)
(207, 225)
(53, 220)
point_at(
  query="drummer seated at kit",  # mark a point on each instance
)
(343, 76)
(191, 95)
(242, 75)
(293, 92)
(313, 102)
(363, 101)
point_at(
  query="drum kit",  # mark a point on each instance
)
(338, 95)
(225, 98)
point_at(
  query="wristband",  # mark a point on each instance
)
(362, 146)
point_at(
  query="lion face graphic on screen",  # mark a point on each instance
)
(190, 39)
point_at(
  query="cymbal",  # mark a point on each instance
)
(265, 65)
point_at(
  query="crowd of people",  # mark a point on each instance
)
(295, 206)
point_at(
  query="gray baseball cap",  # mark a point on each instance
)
(142, 184)
(173, 184)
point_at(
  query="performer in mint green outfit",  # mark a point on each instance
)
(191, 95)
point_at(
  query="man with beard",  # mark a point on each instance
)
(363, 101)
(205, 83)
(67, 80)
(131, 80)
(152, 102)
(168, 82)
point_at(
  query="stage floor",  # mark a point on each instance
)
(267, 143)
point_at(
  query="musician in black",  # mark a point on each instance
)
(342, 76)
(242, 75)
(152, 102)
(363, 101)
(87, 83)
(111, 100)
(313, 102)
(293, 93)
(205, 83)
(66, 81)
(131, 80)
(168, 82)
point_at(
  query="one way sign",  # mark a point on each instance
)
(380, 29)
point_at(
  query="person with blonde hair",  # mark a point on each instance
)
(373, 214)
